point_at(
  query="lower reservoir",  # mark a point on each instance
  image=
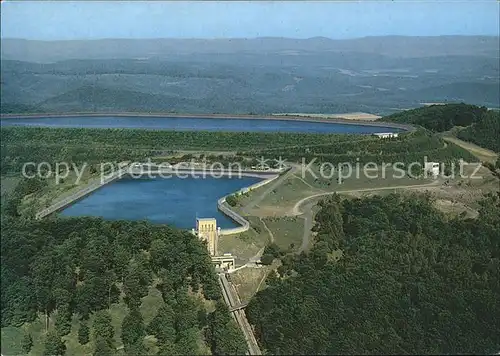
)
(175, 201)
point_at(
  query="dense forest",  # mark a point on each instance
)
(30, 144)
(484, 133)
(440, 118)
(59, 269)
(408, 281)
(406, 148)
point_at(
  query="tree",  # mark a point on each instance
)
(54, 346)
(273, 249)
(167, 349)
(135, 285)
(63, 320)
(136, 349)
(187, 342)
(27, 343)
(102, 325)
(232, 200)
(83, 333)
(121, 261)
(103, 347)
(267, 259)
(162, 326)
(132, 328)
(223, 335)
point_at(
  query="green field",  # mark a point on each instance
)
(287, 231)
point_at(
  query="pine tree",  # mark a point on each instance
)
(103, 347)
(133, 329)
(83, 334)
(27, 343)
(54, 346)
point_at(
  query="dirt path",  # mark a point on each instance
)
(310, 186)
(482, 153)
(296, 209)
(271, 236)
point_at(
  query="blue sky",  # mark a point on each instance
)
(47, 20)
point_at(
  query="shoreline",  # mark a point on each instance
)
(213, 116)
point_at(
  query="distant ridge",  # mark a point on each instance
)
(391, 46)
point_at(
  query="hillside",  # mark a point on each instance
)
(379, 75)
(392, 46)
(99, 287)
(440, 118)
(468, 122)
(401, 286)
(484, 133)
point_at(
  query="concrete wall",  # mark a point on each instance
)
(226, 209)
(61, 204)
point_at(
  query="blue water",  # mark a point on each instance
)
(197, 124)
(173, 201)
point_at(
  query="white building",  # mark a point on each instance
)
(386, 134)
(432, 168)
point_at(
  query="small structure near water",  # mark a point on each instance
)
(386, 134)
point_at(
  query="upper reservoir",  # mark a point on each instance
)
(175, 201)
(198, 124)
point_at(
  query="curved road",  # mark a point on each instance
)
(307, 213)
(296, 209)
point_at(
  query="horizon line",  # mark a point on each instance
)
(244, 38)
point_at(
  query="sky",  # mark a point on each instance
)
(65, 20)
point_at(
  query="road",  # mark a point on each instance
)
(308, 217)
(297, 211)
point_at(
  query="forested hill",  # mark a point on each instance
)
(475, 124)
(440, 118)
(379, 75)
(485, 133)
(87, 286)
(408, 281)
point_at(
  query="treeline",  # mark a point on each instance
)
(17, 108)
(440, 118)
(25, 186)
(420, 140)
(408, 281)
(81, 266)
(15, 154)
(484, 133)
(20, 145)
(408, 148)
(163, 139)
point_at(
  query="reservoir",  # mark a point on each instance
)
(175, 201)
(197, 124)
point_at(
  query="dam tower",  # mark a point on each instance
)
(207, 230)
